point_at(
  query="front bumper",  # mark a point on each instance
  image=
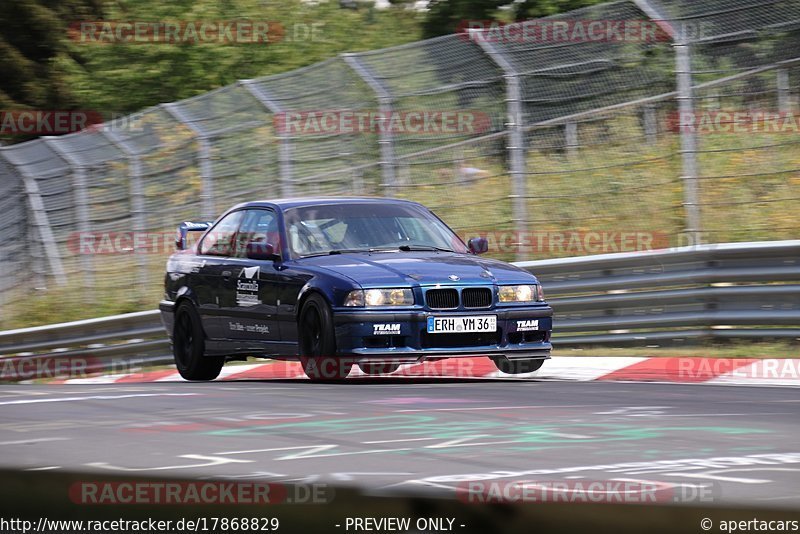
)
(167, 309)
(523, 333)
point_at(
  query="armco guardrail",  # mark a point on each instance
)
(747, 290)
(665, 297)
(89, 332)
(103, 344)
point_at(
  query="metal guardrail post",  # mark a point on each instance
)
(385, 104)
(516, 144)
(138, 211)
(285, 148)
(207, 207)
(81, 196)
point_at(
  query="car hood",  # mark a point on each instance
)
(420, 268)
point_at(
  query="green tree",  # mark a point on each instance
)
(532, 9)
(448, 16)
(32, 45)
(124, 78)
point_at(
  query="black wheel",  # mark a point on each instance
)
(318, 342)
(188, 347)
(379, 368)
(517, 367)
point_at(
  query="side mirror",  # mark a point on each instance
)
(262, 251)
(478, 245)
(181, 235)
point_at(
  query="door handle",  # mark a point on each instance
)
(226, 275)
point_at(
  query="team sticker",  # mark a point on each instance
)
(386, 329)
(528, 326)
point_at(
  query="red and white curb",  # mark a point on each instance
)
(721, 371)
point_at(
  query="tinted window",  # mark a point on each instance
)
(219, 240)
(363, 226)
(259, 226)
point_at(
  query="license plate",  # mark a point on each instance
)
(462, 325)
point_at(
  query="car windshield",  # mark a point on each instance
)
(366, 227)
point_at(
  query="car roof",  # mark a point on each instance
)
(299, 202)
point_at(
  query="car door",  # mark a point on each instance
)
(213, 253)
(253, 289)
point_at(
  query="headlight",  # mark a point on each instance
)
(380, 297)
(354, 298)
(527, 293)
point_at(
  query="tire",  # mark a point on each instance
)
(318, 342)
(188, 346)
(517, 367)
(378, 368)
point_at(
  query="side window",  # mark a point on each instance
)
(219, 241)
(259, 226)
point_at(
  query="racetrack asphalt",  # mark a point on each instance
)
(714, 444)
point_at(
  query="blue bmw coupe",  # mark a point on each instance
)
(337, 282)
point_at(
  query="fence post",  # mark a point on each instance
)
(81, 199)
(358, 182)
(385, 103)
(285, 148)
(516, 140)
(685, 98)
(650, 124)
(42, 223)
(207, 208)
(784, 94)
(571, 133)
(691, 196)
(138, 209)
